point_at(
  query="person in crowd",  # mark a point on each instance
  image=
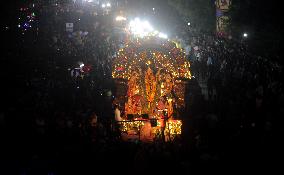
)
(117, 113)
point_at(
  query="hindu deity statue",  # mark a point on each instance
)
(150, 86)
(135, 100)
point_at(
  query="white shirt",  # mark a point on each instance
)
(187, 50)
(209, 61)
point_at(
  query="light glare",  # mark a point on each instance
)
(120, 18)
(140, 28)
(162, 35)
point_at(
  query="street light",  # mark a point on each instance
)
(245, 35)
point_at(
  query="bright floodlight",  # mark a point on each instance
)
(108, 4)
(147, 26)
(103, 5)
(140, 28)
(156, 32)
(245, 35)
(120, 18)
(162, 35)
(82, 65)
(188, 24)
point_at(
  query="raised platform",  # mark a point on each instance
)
(149, 130)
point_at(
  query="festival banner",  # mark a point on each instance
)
(222, 19)
(223, 5)
(222, 24)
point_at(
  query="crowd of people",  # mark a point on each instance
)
(234, 102)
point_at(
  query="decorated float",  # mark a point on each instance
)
(150, 74)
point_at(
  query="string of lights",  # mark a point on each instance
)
(162, 55)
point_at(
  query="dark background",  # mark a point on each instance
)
(22, 54)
